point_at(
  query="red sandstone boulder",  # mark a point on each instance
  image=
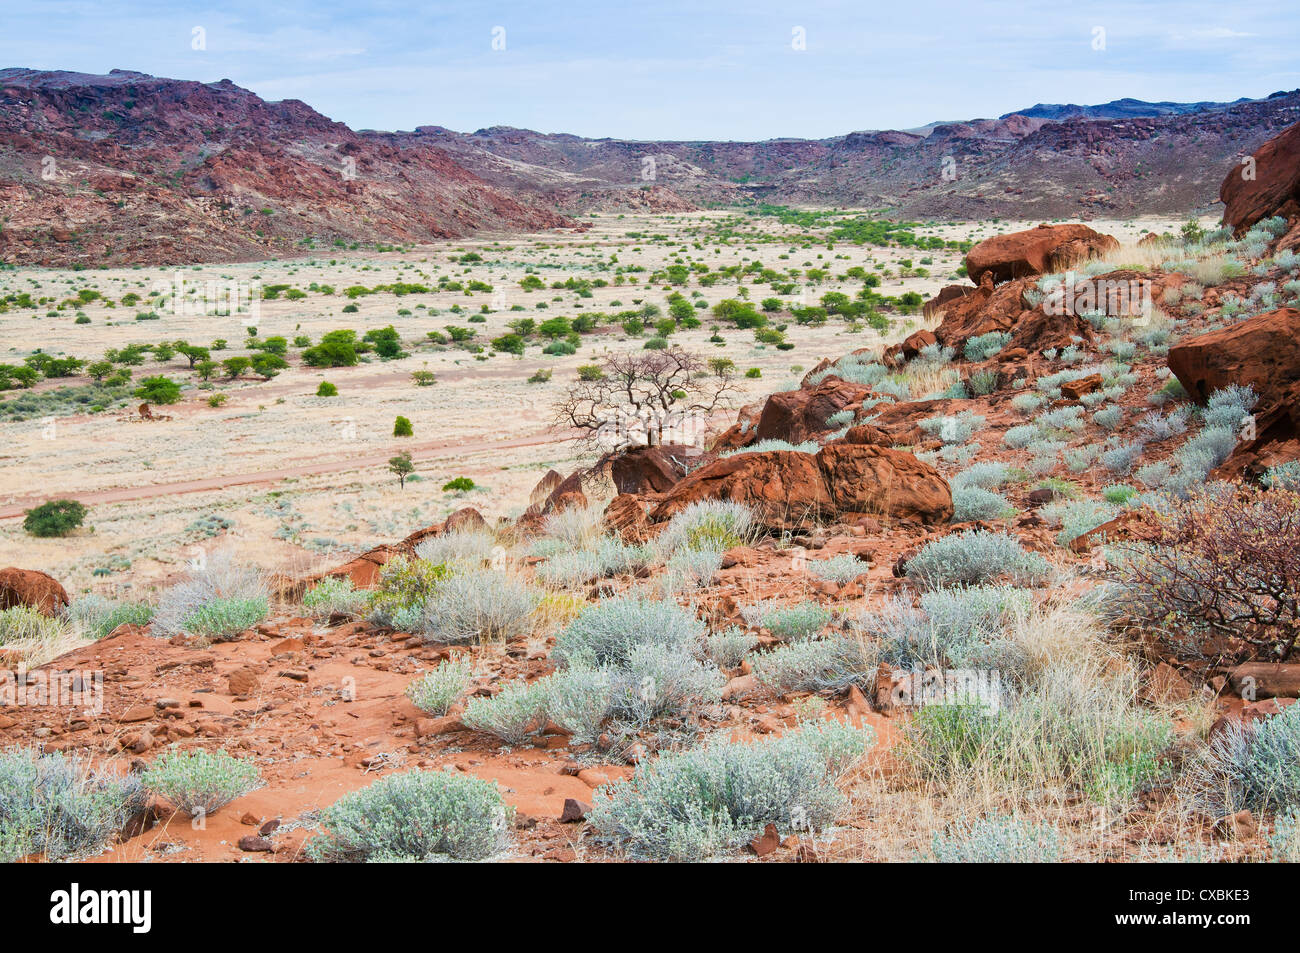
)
(799, 415)
(788, 489)
(1264, 352)
(465, 520)
(652, 469)
(945, 297)
(1274, 188)
(33, 588)
(1036, 251)
(984, 310)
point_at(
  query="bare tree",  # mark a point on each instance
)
(646, 398)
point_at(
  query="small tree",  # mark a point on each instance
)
(402, 467)
(639, 397)
(402, 427)
(159, 390)
(55, 518)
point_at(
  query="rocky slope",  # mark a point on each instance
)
(1055, 161)
(127, 168)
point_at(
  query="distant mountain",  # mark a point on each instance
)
(132, 168)
(1118, 109)
(1168, 160)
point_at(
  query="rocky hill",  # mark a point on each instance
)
(1119, 159)
(131, 168)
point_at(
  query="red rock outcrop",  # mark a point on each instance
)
(1036, 251)
(1264, 352)
(799, 415)
(788, 489)
(651, 469)
(1274, 188)
(31, 587)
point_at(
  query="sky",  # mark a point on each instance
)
(672, 69)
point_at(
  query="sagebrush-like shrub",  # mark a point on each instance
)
(971, 558)
(471, 548)
(839, 569)
(813, 665)
(515, 712)
(335, 594)
(418, 815)
(708, 524)
(58, 806)
(702, 802)
(1249, 765)
(97, 617)
(729, 647)
(216, 602)
(606, 633)
(435, 692)
(480, 605)
(802, 620)
(201, 782)
(997, 840)
(977, 503)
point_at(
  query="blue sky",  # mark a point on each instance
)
(670, 69)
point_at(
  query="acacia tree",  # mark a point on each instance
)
(641, 397)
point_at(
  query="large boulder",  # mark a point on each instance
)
(32, 588)
(652, 469)
(1036, 251)
(1274, 187)
(984, 310)
(466, 520)
(799, 415)
(789, 490)
(946, 295)
(1264, 352)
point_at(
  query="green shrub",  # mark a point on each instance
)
(55, 518)
(216, 602)
(404, 587)
(419, 815)
(201, 782)
(326, 389)
(402, 427)
(24, 624)
(158, 390)
(708, 524)
(97, 616)
(334, 594)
